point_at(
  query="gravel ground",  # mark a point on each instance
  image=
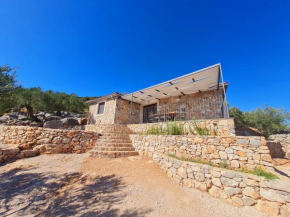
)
(77, 185)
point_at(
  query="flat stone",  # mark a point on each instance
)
(251, 192)
(215, 174)
(273, 195)
(270, 208)
(216, 182)
(277, 185)
(181, 171)
(228, 174)
(255, 142)
(232, 191)
(248, 201)
(215, 191)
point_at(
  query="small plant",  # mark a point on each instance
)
(261, 172)
(155, 130)
(224, 164)
(174, 128)
(202, 131)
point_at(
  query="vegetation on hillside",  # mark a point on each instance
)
(267, 120)
(15, 97)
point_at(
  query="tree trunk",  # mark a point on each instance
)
(29, 111)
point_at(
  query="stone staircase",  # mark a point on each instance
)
(114, 142)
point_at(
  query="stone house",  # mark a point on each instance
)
(198, 95)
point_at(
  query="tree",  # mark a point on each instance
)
(31, 99)
(267, 120)
(8, 84)
(237, 114)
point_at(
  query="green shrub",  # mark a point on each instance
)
(155, 130)
(202, 131)
(261, 172)
(267, 120)
(174, 128)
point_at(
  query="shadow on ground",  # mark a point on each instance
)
(43, 194)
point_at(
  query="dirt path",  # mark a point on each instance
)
(75, 185)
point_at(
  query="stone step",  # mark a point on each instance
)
(115, 137)
(112, 154)
(114, 140)
(125, 144)
(111, 148)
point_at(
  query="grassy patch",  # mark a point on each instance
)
(170, 129)
(261, 172)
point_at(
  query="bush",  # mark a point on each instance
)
(202, 131)
(267, 120)
(171, 129)
(155, 130)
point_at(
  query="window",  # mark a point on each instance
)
(101, 108)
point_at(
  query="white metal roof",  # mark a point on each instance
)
(201, 80)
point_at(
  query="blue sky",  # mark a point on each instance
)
(93, 48)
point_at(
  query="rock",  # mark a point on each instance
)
(53, 124)
(270, 208)
(216, 182)
(200, 177)
(223, 155)
(21, 117)
(229, 182)
(215, 191)
(181, 172)
(273, 195)
(4, 119)
(235, 164)
(228, 174)
(285, 211)
(215, 173)
(70, 121)
(232, 191)
(50, 118)
(251, 192)
(248, 201)
(255, 142)
(237, 201)
(277, 185)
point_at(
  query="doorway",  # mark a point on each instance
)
(148, 112)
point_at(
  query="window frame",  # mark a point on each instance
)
(99, 107)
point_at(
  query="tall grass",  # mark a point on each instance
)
(202, 131)
(170, 129)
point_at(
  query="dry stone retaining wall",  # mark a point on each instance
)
(221, 127)
(240, 189)
(47, 140)
(238, 151)
(284, 141)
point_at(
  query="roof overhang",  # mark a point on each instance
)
(199, 81)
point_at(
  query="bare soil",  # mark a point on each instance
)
(77, 185)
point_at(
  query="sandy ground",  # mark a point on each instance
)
(76, 185)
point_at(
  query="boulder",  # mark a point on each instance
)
(4, 118)
(51, 118)
(70, 121)
(53, 124)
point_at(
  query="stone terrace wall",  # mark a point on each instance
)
(240, 189)
(284, 140)
(222, 127)
(238, 151)
(48, 140)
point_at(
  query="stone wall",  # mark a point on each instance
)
(221, 127)
(204, 105)
(240, 189)
(283, 140)
(123, 109)
(238, 151)
(109, 113)
(47, 140)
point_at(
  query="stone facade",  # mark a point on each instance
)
(46, 140)
(204, 105)
(283, 141)
(239, 189)
(237, 151)
(220, 127)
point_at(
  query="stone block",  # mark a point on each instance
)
(270, 208)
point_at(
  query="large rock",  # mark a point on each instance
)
(53, 124)
(70, 121)
(4, 118)
(51, 118)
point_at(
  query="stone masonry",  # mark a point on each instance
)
(239, 189)
(237, 151)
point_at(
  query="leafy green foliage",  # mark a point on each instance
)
(267, 120)
(34, 99)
